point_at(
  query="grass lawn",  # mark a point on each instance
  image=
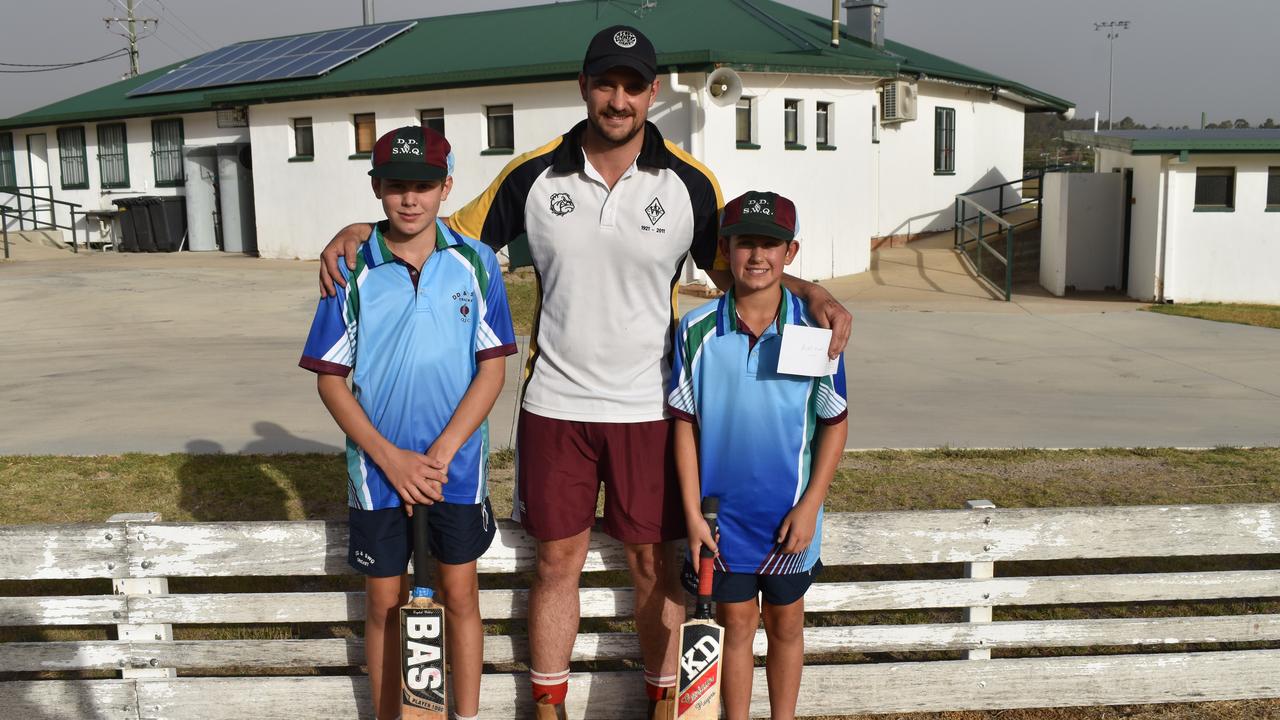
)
(1242, 313)
(294, 486)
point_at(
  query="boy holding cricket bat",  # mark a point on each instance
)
(423, 328)
(763, 443)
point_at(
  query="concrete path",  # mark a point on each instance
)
(190, 352)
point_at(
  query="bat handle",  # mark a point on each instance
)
(421, 553)
(706, 558)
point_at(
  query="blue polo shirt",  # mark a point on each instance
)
(755, 427)
(414, 341)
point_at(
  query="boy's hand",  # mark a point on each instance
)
(417, 478)
(797, 528)
(442, 454)
(699, 535)
(343, 245)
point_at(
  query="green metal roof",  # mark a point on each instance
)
(528, 44)
(1149, 142)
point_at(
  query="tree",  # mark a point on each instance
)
(1241, 124)
(1269, 123)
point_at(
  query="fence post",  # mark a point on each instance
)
(979, 571)
(135, 531)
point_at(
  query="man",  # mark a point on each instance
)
(610, 209)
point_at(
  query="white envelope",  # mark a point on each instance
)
(804, 352)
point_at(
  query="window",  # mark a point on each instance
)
(944, 140)
(166, 151)
(1273, 189)
(113, 156)
(822, 126)
(1215, 188)
(433, 119)
(8, 169)
(791, 124)
(75, 169)
(501, 128)
(746, 123)
(366, 134)
(875, 124)
(303, 141)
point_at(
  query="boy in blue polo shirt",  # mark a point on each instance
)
(424, 325)
(746, 435)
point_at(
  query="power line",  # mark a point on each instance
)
(35, 68)
(182, 27)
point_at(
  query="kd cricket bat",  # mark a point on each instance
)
(423, 693)
(698, 691)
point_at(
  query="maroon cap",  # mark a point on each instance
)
(412, 152)
(759, 213)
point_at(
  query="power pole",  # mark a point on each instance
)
(130, 26)
(1113, 28)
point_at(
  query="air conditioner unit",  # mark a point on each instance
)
(898, 101)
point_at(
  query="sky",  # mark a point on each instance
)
(1177, 58)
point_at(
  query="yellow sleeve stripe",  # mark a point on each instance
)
(469, 219)
(721, 262)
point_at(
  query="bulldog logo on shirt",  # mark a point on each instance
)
(561, 204)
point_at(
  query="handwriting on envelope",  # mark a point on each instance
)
(804, 352)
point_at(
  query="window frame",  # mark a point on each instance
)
(296, 125)
(823, 116)
(75, 161)
(425, 120)
(492, 125)
(1215, 171)
(745, 103)
(8, 161)
(166, 155)
(122, 155)
(1273, 188)
(359, 120)
(944, 141)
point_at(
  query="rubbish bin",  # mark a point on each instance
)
(168, 221)
(135, 224)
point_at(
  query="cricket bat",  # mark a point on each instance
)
(423, 688)
(698, 690)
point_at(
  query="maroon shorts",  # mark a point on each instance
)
(560, 465)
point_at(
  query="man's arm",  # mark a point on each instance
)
(797, 528)
(417, 478)
(471, 411)
(344, 244)
(822, 305)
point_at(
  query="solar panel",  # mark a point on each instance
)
(286, 58)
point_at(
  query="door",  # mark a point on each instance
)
(38, 176)
(1128, 223)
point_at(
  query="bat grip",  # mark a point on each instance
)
(421, 548)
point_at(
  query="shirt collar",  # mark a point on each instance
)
(727, 314)
(377, 252)
(568, 156)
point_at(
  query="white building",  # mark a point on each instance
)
(872, 139)
(1204, 212)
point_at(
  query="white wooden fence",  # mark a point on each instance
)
(1126, 660)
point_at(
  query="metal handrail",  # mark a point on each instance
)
(962, 220)
(72, 209)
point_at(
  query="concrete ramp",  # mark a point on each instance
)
(37, 245)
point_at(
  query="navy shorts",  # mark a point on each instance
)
(382, 540)
(732, 587)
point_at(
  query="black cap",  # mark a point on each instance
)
(620, 46)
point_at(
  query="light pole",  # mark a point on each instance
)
(1113, 28)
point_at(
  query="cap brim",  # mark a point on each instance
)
(409, 171)
(609, 62)
(758, 228)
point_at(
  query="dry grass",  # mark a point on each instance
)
(1242, 313)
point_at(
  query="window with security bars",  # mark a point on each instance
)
(791, 122)
(822, 125)
(1273, 188)
(303, 142)
(944, 140)
(501, 123)
(8, 168)
(166, 151)
(743, 116)
(433, 118)
(113, 156)
(366, 133)
(1215, 188)
(71, 158)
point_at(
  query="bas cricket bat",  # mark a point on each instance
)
(423, 693)
(698, 691)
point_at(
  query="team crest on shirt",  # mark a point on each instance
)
(464, 298)
(561, 204)
(656, 212)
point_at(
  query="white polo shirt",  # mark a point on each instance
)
(607, 264)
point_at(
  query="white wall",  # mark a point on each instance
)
(989, 137)
(1082, 233)
(1223, 256)
(1147, 220)
(198, 129)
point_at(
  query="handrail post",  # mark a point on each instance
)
(955, 228)
(75, 242)
(4, 227)
(979, 243)
(22, 224)
(1008, 264)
